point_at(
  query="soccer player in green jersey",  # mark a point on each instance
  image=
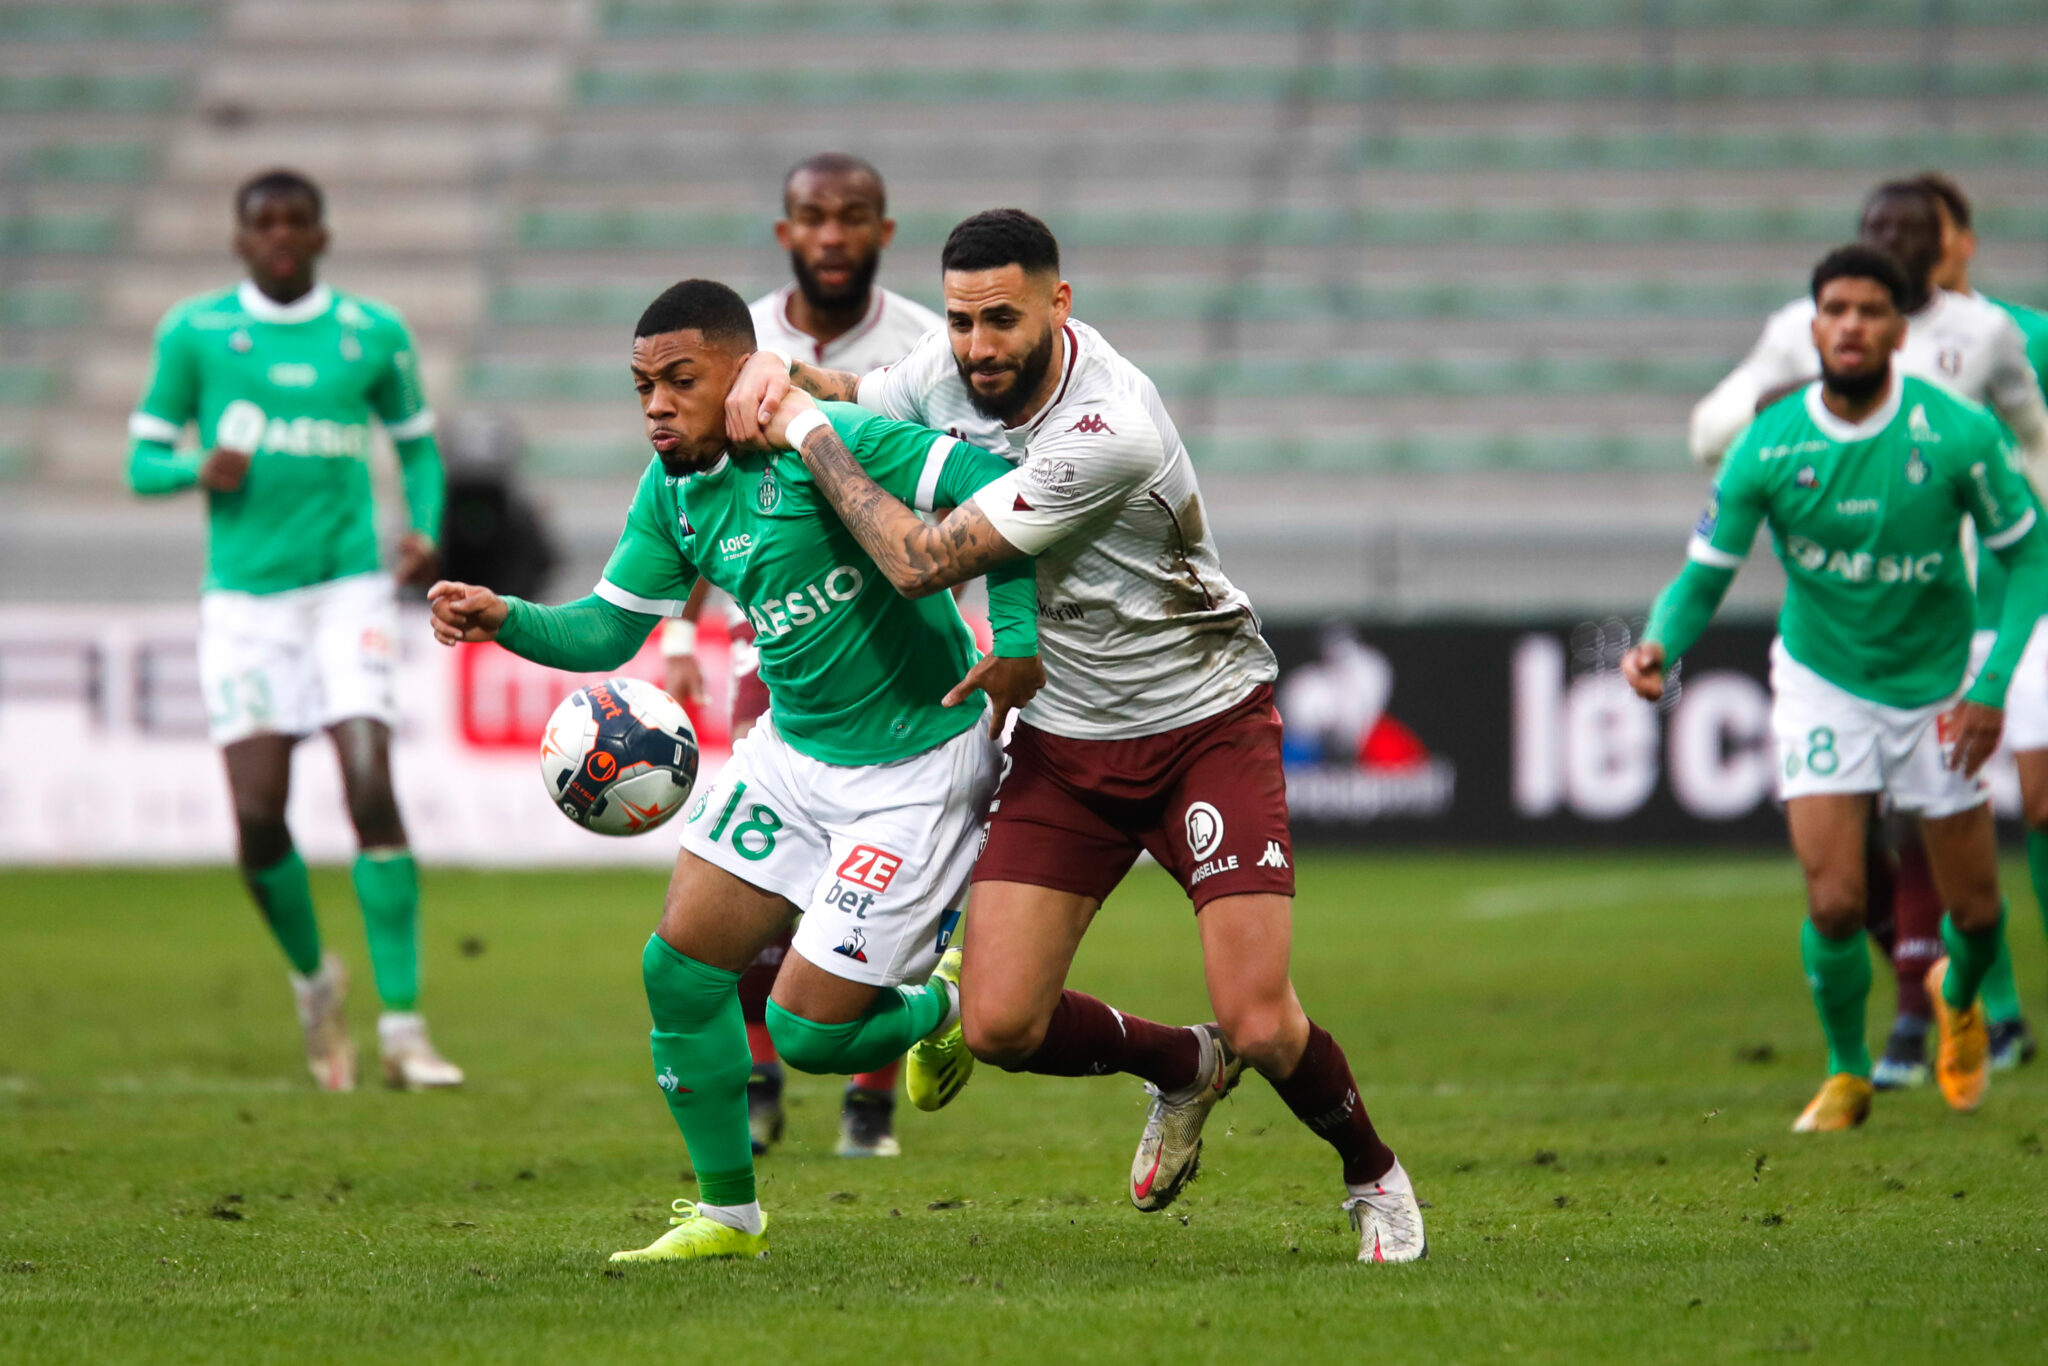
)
(1865, 478)
(284, 377)
(2026, 732)
(856, 800)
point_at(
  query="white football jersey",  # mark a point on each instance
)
(1960, 341)
(1140, 630)
(892, 326)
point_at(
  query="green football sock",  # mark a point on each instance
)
(2000, 994)
(897, 1018)
(285, 896)
(388, 886)
(1838, 971)
(701, 1064)
(1971, 954)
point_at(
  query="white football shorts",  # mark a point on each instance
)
(1832, 741)
(876, 857)
(2026, 698)
(294, 662)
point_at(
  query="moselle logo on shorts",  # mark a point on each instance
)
(854, 946)
(1205, 837)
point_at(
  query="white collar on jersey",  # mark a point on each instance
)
(312, 304)
(780, 312)
(1838, 430)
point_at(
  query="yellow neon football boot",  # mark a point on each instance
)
(696, 1236)
(1962, 1067)
(937, 1067)
(1843, 1103)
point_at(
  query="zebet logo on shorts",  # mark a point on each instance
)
(865, 875)
(1205, 837)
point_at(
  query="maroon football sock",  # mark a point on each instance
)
(1088, 1039)
(1323, 1096)
(1916, 907)
(755, 984)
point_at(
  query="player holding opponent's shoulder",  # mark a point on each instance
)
(856, 800)
(1156, 729)
(835, 225)
(283, 376)
(1865, 479)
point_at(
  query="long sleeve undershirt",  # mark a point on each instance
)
(583, 636)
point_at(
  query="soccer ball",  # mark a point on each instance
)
(619, 757)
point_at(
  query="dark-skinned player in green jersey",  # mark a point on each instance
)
(282, 376)
(1865, 478)
(856, 800)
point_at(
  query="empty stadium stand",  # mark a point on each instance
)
(1430, 285)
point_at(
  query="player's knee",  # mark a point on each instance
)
(373, 810)
(1264, 1035)
(1836, 906)
(1005, 1041)
(263, 838)
(804, 1044)
(1976, 905)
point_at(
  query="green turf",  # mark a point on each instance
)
(1588, 1063)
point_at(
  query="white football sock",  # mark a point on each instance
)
(746, 1218)
(1396, 1179)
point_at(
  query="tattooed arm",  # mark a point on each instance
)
(919, 558)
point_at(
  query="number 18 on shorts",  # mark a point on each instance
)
(876, 857)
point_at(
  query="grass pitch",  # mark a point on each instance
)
(1588, 1063)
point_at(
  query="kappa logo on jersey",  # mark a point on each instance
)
(1092, 425)
(870, 867)
(1274, 857)
(854, 946)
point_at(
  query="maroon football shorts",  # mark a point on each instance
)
(1208, 800)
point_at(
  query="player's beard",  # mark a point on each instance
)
(850, 298)
(1856, 388)
(1009, 405)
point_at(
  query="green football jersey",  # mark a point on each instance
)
(856, 670)
(297, 386)
(1867, 520)
(1991, 575)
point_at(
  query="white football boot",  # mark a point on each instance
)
(1388, 1219)
(1170, 1150)
(411, 1063)
(330, 1052)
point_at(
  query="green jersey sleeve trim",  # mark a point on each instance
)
(150, 427)
(633, 602)
(1700, 550)
(934, 466)
(2012, 533)
(412, 428)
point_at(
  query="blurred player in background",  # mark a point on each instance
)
(2026, 706)
(1155, 732)
(1968, 345)
(1865, 478)
(297, 622)
(835, 226)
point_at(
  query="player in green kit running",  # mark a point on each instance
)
(283, 377)
(856, 800)
(1865, 479)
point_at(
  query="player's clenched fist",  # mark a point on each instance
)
(463, 612)
(1643, 667)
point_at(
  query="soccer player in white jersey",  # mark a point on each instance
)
(2026, 705)
(282, 376)
(1155, 730)
(835, 225)
(1970, 345)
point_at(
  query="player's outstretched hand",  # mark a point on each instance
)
(418, 561)
(755, 395)
(1971, 731)
(1009, 683)
(464, 613)
(224, 470)
(775, 433)
(682, 678)
(1643, 667)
